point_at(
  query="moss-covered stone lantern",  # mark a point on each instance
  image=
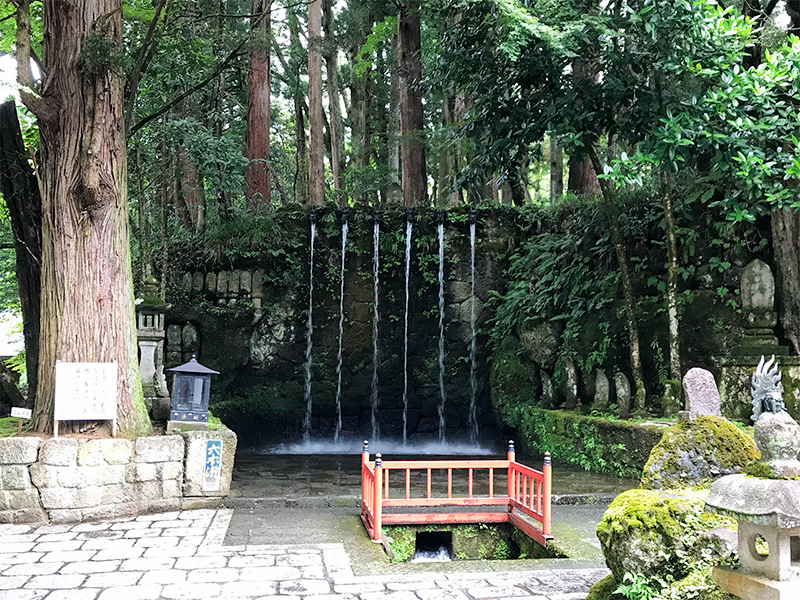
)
(190, 391)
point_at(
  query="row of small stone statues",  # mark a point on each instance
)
(226, 287)
(602, 390)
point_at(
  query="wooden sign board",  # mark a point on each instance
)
(85, 392)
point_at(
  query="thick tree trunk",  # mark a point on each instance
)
(556, 170)
(258, 106)
(786, 247)
(582, 177)
(21, 193)
(316, 118)
(393, 126)
(87, 293)
(192, 193)
(412, 141)
(334, 109)
(629, 300)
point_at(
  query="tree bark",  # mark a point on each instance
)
(21, 193)
(316, 118)
(412, 135)
(334, 109)
(556, 170)
(786, 247)
(629, 300)
(258, 107)
(87, 293)
(582, 177)
(393, 125)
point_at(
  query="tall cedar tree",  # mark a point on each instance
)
(412, 143)
(316, 116)
(87, 292)
(258, 107)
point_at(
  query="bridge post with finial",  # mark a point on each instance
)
(378, 531)
(512, 457)
(364, 461)
(547, 471)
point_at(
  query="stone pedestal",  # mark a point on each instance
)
(202, 479)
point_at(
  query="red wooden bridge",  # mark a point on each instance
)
(527, 500)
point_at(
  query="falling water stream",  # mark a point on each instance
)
(376, 233)
(409, 219)
(309, 331)
(442, 392)
(473, 348)
(341, 331)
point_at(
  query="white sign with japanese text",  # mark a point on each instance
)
(86, 391)
(21, 413)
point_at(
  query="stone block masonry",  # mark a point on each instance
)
(66, 480)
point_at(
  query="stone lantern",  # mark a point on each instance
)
(190, 391)
(767, 507)
(150, 330)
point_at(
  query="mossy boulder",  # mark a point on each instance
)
(655, 533)
(695, 453)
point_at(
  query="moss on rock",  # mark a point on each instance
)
(655, 533)
(604, 589)
(698, 584)
(695, 453)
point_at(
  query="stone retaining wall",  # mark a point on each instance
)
(66, 480)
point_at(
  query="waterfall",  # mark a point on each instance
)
(345, 214)
(376, 236)
(473, 349)
(409, 221)
(309, 331)
(442, 392)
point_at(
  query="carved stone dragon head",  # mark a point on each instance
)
(767, 389)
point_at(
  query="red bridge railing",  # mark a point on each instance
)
(527, 499)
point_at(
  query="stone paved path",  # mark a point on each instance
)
(180, 556)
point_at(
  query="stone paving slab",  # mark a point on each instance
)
(181, 556)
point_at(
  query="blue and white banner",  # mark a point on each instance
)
(212, 472)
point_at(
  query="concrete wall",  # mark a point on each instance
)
(68, 480)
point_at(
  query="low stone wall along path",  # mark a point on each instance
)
(180, 555)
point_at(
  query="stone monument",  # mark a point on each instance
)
(601, 391)
(757, 290)
(570, 385)
(623, 389)
(767, 506)
(702, 396)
